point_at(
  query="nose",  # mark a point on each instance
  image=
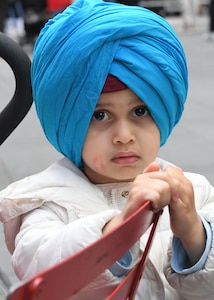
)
(123, 133)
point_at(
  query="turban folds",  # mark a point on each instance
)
(77, 49)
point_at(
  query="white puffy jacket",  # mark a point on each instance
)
(45, 215)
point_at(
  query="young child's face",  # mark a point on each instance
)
(122, 139)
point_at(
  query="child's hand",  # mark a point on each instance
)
(170, 187)
(150, 185)
(184, 219)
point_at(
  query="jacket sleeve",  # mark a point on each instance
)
(54, 238)
(199, 284)
(180, 262)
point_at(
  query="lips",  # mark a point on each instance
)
(124, 158)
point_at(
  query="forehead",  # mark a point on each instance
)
(120, 98)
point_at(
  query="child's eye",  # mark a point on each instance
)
(100, 115)
(141, 112)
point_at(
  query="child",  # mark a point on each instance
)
(109, 83)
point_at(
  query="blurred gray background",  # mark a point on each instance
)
(191, 146)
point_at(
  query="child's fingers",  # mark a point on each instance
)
(153, 167)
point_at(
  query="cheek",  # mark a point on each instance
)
(93, 155)
(151, 138)
(155, 144)
(154, 131)
(98, 163)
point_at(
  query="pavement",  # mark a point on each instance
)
(191, 145)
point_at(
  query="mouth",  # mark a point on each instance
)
(125, 158)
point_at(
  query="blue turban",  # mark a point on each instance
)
(78, 48)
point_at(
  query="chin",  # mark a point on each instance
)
(124, 178)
